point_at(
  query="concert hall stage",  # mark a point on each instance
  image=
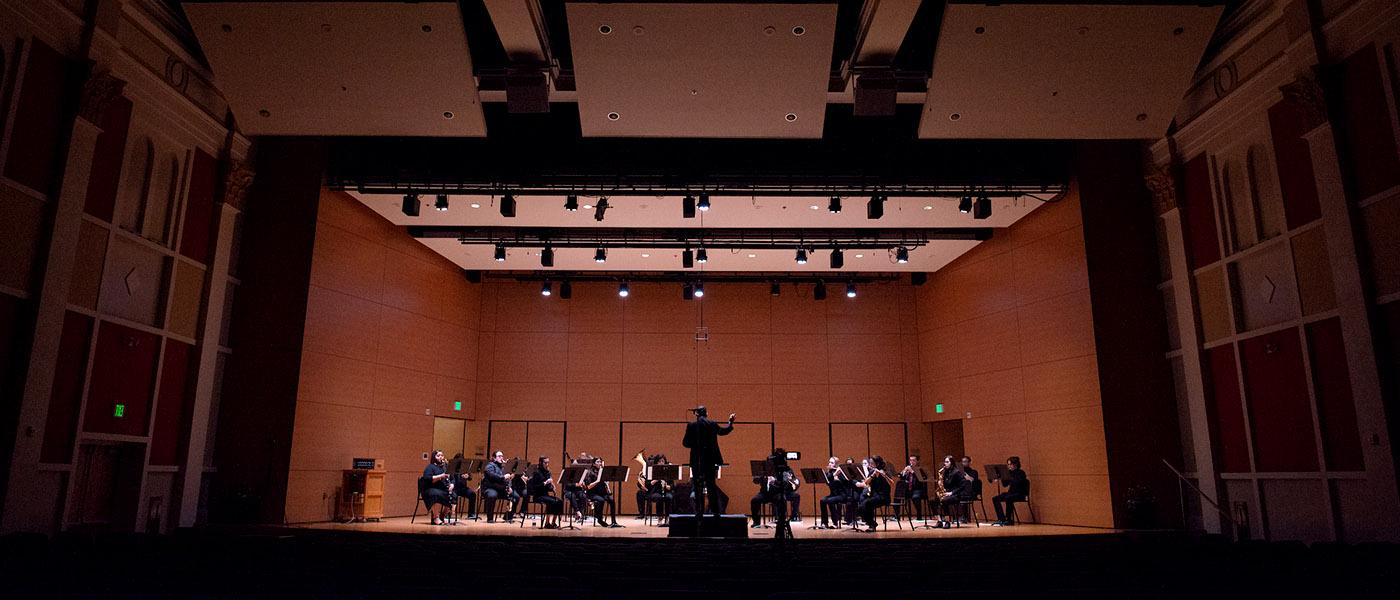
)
(634, 529)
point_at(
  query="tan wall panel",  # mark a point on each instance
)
(598, 438)
(658, 358)
(938, 355)
(852, 403)
(450, 436)
(1051, 266)
(662, 402)
(1070, 499)
(888, 440)
(657, 307)
(877, 309)
(909, 365)
(311, 495)
(811, 439)
(520, 307)
(982, 344)
(326, 436)
(738, 309)
(1073, 382)
(997, 438)
(850, 440)
(545, 439)
(799, 358)
(595, 357)
(984, 287)
(596, 307)
(340, 324)
(996, 393)
(350, 264)
(527, 401)
(1056, 329)
(1068, 441)
(795, 312)
(420, 287)
(332, 379)
(1049, 218)
(508, 437)
(594, 402)
(864, 359)
(736, 358)
(801, 403)
(340, 210)
(753, 401)
(532, 357)
(400, 439)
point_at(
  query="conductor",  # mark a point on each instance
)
(702, 437)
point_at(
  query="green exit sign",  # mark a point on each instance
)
(938, 408)
(457, 405)
(119, 410)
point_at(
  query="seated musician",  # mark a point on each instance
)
(541, 489)
(973, 490)
(774, 489)
(916, 480)
(643, 485)
(954, 484)
(436, 487)
(495, 484)
(876, 491)
(573, 492)
(856, 493)
(837, 484)
(599, 493)
(659, 493)
(463, 487)
(1018, 489)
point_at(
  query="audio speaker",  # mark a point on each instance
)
(918, 278)
(875, 94)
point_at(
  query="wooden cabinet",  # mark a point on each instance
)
(361, 495)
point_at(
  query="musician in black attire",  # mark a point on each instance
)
(541, 487)
(973, 490)
(955, 483)
(495, 484)
(463, 487)
(877, 492)
(776, 490)
(599, 493)
(436, 488)
(659, 492)
(702, 437)
(1018, 489)
(838, 484)
(916, 481)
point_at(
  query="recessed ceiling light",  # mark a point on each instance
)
(790, 117)
(476, 205)
(612, 116)
(645, 255)
(587, 207)
(814, 207)
(447, 114)
(928, 207)
(860, 256)
(753, 256)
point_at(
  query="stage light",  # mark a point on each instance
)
(983, 208)
(547, 257)
(819, 291)
(704, 203)
(508, 206)
(875, 208)
(688, 207)
(545, 289)
(571, 203)
(775, 289)
(566, 290)
(701, 256)
(687, 259)
(623, 290)
(835, 205)
(687, 292)
(699, 289)
(851, 290)
(801, 256)
(601, 256)
(500, 253)
(441, 204)
(601, 208)
(965, 205)
(838, 259)
(901, 255)
(411, 205)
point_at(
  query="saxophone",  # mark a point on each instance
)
(641, 473)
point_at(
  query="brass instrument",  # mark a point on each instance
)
(939, 491)
(641, 474)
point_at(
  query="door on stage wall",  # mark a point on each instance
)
(859, 440)
(748, 441)
(527, 440)
(449, 436)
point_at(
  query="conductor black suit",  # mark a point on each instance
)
(702, 437)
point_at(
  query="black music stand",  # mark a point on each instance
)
(668, 474)
(617, 475)
(813, 476)
(457, 467)
(572, 474)
(853, 473)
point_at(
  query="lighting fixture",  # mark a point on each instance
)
(566, 290)
(701, 256)
(476, 205)
(601, 256)
(928, 207)
(545, 289)
(687, 259)
(835, 205)
(623, 290)
(851, 290)
(688, 207)
(687, 292)
(411, 205)
(704, 203)
(547, 257)
(801, 256)
(775, 289)
(601, 208)
(901, 255)
(838, 259)
(814, 207)
(983, 208)
(699, 289)
(876, 207)
(441, 204)
(819, 291)
(500, 253)
(571, 203)
(508, 206)
(965, 205)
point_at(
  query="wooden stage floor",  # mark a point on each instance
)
(635, 529)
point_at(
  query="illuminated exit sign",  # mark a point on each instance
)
(119, 410)
(938, 408)
(457, 405)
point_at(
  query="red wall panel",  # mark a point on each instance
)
(38, 124)
(1341, 439)
(1227, 415)
(107, 160)
(1287, 122)
(1280, 414)
(1202, 243)
(123, 372)
(1365, 125)
(199, 211)
(67, 393)
(171, 411)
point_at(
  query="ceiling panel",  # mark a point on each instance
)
(1062, 71)
(342, 68)
(702, 70)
